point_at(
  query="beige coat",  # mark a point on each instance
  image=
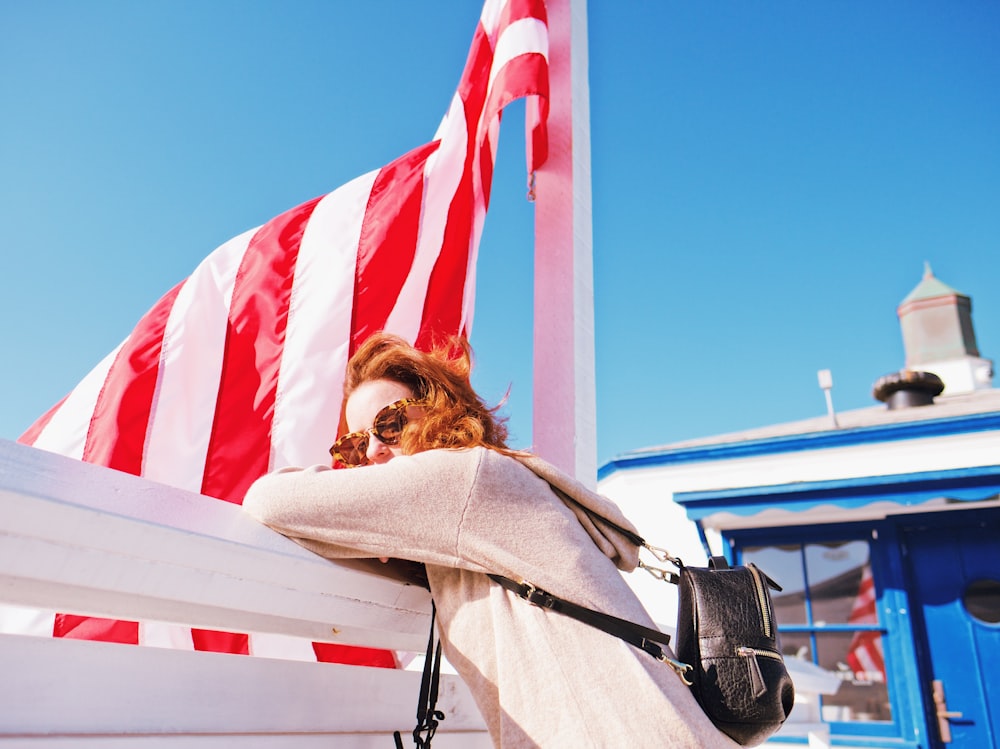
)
(539, 678)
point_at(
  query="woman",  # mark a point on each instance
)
(441, 487)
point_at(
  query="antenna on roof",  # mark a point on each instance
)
(826, 383)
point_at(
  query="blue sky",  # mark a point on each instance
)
(768, 180)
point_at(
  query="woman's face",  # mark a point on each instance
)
(365, 402)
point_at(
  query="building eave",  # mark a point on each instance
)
(794, 504)
(812, 440)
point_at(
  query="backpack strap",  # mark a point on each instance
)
(661, 555)
(644, 638)
(427, 714)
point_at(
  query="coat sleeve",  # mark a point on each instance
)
(410, 508)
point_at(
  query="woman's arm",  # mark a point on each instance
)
(410, 508)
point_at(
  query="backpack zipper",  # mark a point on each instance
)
(756, 677)
(761, 599)
(748, 652)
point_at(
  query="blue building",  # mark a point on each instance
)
(883, 526)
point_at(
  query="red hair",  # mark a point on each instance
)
(454, 414)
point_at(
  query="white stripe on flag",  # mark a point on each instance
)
(318, 335)
(478, 220)
(21, 620)
(190, 367)
(164, 635)
(442, 174)
(66, 432)
(490, 17)
(284, 647)
(869, 656)
(525, 36)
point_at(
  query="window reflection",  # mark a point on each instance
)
(863, 693)
(783, 564)
(835, 572)
(828, 587)
(982, 600)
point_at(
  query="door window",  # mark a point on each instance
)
(981, 599)
(828, 615)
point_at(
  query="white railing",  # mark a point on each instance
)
(82, 539)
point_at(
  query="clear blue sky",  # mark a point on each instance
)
(768, 180)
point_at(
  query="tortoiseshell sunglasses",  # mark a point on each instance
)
(352, 449)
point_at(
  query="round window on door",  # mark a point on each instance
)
(982, 600)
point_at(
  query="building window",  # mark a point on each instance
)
(828, 615)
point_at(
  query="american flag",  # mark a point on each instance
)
(864, 655)
(238, 370)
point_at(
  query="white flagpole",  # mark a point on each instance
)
(565, 401)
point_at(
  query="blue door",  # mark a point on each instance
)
(953, 566)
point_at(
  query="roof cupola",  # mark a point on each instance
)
(938, 336)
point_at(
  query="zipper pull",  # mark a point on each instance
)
(770, 583)
(756, 677)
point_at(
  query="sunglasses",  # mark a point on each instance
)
(352, 449)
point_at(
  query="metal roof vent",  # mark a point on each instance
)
(907, 388)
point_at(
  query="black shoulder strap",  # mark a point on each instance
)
(427, 716)
(644, 638)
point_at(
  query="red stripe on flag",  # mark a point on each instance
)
(515, 10)
(239, 447)
(388, 241)
(117, 434)
(220, 642)
(538, 145)
(486, 170)
(75, 627)
(863, 611)
(443, 302)
(864, 654)
(524, 75)
(117, 437)
(327, 652)
(475, 78)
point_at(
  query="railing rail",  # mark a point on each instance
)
(83, 539)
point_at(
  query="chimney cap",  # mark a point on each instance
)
(907, 388)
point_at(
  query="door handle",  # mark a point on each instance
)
(942, 712)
